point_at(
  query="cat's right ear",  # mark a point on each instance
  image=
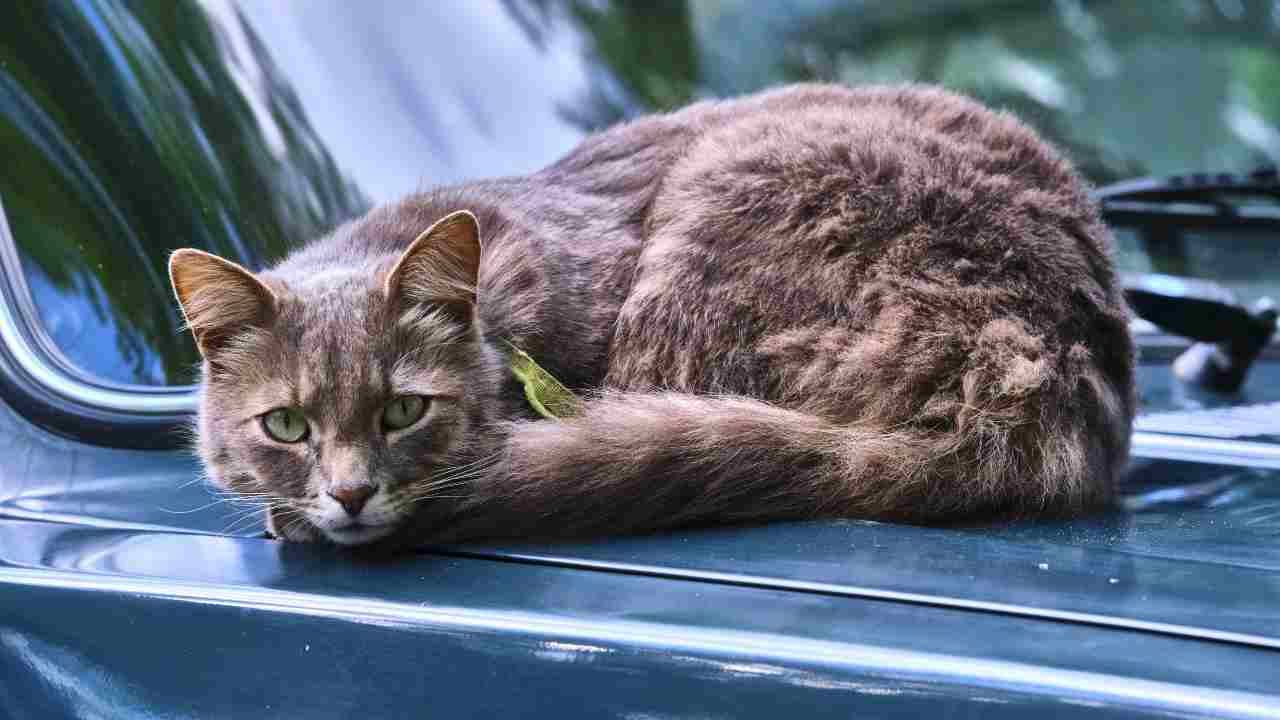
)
(218, 297)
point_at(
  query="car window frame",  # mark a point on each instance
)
(49, 390)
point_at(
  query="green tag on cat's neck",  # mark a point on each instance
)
(545, 394)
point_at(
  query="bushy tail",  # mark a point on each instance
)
(638, 462)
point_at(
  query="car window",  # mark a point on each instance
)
(1233, 259)
(132, 128)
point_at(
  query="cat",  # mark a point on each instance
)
(817, 301)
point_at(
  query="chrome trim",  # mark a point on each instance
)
(774, 582)
(1192, 448)
(142, 400)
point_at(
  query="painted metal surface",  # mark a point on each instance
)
(114, 623)
(1174, 562)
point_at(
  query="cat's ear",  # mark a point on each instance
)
(218, 297)
(441, 266)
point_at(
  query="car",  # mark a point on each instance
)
(130, 588)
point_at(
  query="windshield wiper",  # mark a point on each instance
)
(1228, 337)
(1206, 188)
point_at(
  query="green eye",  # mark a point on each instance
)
(403, 412)
(285, 424)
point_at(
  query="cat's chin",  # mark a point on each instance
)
(358, 534)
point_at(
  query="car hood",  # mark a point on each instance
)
(1193, 550)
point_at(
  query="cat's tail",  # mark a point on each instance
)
(637, 462)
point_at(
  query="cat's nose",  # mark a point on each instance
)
(353, 498)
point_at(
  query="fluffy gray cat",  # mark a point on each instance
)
(813, 302)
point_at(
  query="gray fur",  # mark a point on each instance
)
(817, 301)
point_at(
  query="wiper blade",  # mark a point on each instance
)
(1192, 187)
(1194, 309)
(1228, 337)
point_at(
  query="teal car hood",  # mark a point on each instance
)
(1195, 551)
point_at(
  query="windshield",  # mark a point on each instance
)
(1128, 88)
(133, 128)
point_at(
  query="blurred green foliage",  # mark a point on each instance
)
(1125, 87)
(127, 131)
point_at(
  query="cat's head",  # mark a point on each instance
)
(340, 395)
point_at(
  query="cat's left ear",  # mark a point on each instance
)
(441, 266)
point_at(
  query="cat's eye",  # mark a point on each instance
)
(286, 425)
(403, 412)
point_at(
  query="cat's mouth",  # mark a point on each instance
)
(357, 533)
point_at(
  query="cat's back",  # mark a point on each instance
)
(842, 248)
(840, 187)
(894, 123)
(923, 173)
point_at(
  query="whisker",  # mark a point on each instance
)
(248, 516)
(452, 478)
(240, 525)
(301, 519)
(206, 506)
(440, 486)
(449, 473)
